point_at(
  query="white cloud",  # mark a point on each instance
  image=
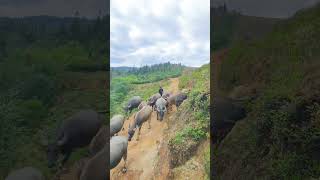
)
(152, 31)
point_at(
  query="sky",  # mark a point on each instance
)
(86, 8)
(146, 32)
(267, 8)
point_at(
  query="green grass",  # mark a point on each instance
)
(42, 83)
(145, 91)
(281, 64)
(207, 160)
(129, 84)
(189, 132)
(198, 81)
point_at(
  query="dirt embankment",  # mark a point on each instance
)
(144, 155)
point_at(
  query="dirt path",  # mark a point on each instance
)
(144, 154)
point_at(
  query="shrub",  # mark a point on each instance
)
(194, 133)
(41, 87)
(32, 112)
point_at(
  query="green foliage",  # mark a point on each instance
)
(32, 113)
(194, 133)
(207, 160)
(198, 102)
(143, 82)
(222, 27)
(41, 70)
(198, 79)
(280, 63)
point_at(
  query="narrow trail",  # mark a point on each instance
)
(144, 155)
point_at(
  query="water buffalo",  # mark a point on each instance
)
(26, 173)
(161, 106)
(176, 100)
(132, 103)
(75, 132)
(225, 112)
(180, 98)
(153, 99)
(116, 124)
(99, 141)
(143, 115)
(118, 150)
(171, 101)
(96, 167)
(142, 104)
(166, 95)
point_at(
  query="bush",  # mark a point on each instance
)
(32, 112)
(194, 133)
(40, 87)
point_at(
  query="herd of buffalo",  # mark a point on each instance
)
(85, 128)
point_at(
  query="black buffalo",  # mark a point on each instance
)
(75, 132)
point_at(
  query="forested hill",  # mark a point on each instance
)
(71, 41)
(42, 26)
(50, 68)
(229, 26)
(47, 31)
(158, 71)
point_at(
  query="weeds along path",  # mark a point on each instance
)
(143, 155)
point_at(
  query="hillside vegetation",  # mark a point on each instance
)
(229, 26)
(46, 74)
(280, 137)
(139, 82)
(189, 128)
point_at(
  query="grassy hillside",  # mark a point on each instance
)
(45, 77)
(190, 126)
(279, 139)
(143, 82)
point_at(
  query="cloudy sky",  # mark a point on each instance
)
(87, 8)
(145, 32)
(267, 8)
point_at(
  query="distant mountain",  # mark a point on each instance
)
(123, 68)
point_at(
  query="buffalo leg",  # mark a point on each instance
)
(124, 169)
(149, 122)
(66, 157)
(139, 133)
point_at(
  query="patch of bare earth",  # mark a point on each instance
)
(194, 167)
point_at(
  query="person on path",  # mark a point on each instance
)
(160, 91)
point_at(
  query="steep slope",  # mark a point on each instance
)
(228, 27)
(279, 138)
